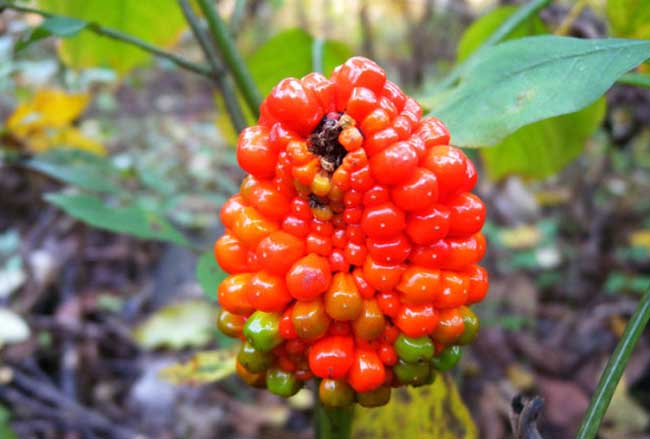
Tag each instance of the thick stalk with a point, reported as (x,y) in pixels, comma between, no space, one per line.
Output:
(333,423)
(218,72)
(231,56)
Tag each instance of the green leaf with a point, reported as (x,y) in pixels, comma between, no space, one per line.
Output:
(637,79)
(5,429)
(57,26)
(482,28)
(78,168)
(434,411)
(289,53)
(157,22)
(121,219)
(178,326)
(203,368)
(519,82)
(629,18)
(543,148)
(209,274)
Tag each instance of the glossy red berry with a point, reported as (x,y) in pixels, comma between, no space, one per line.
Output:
(353,244)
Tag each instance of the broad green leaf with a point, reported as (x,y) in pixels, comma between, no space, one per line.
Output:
(203,368)
(435,411)
(121,219)
(519,82)
(629,18)
(178,326)
(289,53)
(482,28)
(209,274)
(78,168)
(56,25)
(543,148)
(157,22)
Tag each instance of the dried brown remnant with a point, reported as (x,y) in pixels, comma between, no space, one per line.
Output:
(324,141)
(316,201)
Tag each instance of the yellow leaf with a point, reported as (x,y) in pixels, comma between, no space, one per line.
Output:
(522,236)
(45,122)
(204,367)
(73,138)
(47,109)
(434,411)
(640,238)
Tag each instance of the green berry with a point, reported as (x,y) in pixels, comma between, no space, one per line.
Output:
(262,330)
(282,383)
(447,359)
(335,393)
(230,324)
(254,360)
(375,398)
(413,350)
(412,373)
(472,325)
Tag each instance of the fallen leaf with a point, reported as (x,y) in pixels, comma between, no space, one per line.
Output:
(434,411)
(640,238)
(624,417)
(519,237)
(45,122)
(203,367)
(181,325)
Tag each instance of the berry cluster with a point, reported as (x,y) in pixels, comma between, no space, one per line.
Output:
(353,244)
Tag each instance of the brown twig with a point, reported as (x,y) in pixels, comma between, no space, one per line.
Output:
(43,400)
(523,417)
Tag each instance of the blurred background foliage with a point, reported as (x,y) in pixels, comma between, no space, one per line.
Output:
(114,165)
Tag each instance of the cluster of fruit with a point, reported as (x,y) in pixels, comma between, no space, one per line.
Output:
(353,244)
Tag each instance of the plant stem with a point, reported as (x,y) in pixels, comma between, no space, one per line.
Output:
(521,15)
(614,370)
(237,17)
(231,56)
(317,54)
(219,74)
(333,423)
(565,27)
(119,36)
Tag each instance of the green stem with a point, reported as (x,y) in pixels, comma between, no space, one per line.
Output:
(317,54)
(637,79)
(614,370)
(333,423)
(119,36)
(565,27)
(237,17)
(219,74)
(231,56)
(521,15)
